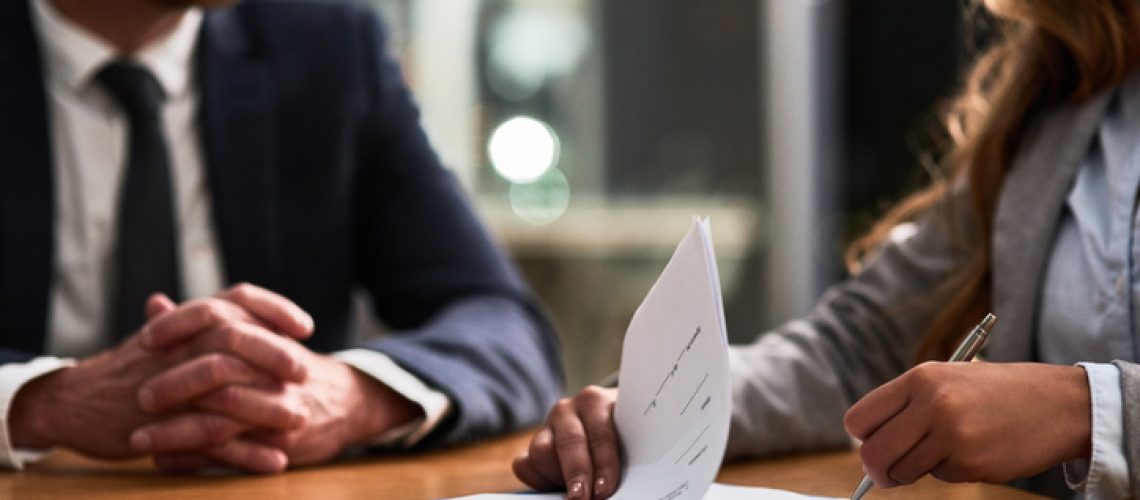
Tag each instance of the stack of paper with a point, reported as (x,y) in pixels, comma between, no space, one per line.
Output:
(673,411)
(674,408)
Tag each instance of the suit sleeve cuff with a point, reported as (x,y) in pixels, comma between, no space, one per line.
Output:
(1105,474)
(13,376)
(435,404)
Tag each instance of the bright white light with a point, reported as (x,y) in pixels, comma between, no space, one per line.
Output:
(902,232)
(522,149)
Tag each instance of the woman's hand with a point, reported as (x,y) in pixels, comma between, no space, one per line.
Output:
(973,422)
(577,449)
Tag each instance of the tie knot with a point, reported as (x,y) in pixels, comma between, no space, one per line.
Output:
(134,87)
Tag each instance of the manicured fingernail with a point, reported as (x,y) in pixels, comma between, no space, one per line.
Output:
(146,399)
(600,487)
(577,490)
(141,441)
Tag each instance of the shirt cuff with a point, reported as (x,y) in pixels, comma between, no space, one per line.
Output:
(435,404)
(1105,474)
(13,376)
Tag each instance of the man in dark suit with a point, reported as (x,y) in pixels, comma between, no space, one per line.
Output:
(155,152)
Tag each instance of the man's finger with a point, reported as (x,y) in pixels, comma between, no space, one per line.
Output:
(157,304)
(279,312)
(256,407)
(190,319)
(199,376)
(184,463)
(250,456)
(282,440)
(271,353)
(185,432)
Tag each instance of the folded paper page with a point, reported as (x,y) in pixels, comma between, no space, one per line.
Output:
(673,409)
(715,492)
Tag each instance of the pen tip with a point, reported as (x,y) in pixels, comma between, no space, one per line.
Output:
(989,321)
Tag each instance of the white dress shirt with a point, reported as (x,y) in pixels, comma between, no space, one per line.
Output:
(1090,300)
(89,135)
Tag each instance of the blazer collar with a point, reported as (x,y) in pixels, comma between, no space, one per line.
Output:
(1029,207)
(237,120)
(27,200)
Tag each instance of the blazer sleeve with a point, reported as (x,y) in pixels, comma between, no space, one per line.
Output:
(1130,393)
(462,319)
(792,386)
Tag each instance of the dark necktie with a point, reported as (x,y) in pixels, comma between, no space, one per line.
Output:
(147,241)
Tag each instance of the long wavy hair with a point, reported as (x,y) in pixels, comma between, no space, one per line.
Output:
(1046,53)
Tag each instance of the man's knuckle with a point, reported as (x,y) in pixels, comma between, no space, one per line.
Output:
(215,368)
(242,290)
(213,359)
(211,311)
(211,429)
(235,339)
(227,398)
(295,417)
(280,416)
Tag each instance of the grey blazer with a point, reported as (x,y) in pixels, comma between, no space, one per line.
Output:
(793,385)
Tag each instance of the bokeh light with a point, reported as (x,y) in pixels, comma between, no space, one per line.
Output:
(522,149)
(543,201)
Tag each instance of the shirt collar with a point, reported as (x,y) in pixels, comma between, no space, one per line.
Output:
(73,55)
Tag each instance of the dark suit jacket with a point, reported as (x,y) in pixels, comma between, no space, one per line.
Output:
(322,183)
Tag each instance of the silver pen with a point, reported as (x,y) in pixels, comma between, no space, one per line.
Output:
(965,352)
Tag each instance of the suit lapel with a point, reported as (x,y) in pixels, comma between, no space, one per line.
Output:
(26,187)
(1029,207)
(237,121)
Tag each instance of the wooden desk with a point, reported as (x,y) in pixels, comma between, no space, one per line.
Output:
(475,469)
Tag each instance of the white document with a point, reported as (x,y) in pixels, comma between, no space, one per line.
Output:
(674,407)
(716,492)
(673,410)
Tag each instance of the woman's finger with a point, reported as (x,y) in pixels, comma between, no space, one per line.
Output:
(572,447)
(525,471)
(596,410)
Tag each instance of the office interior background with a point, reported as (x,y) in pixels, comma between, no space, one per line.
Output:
(588,133)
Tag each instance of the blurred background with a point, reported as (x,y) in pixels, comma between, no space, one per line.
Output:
(590,132)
